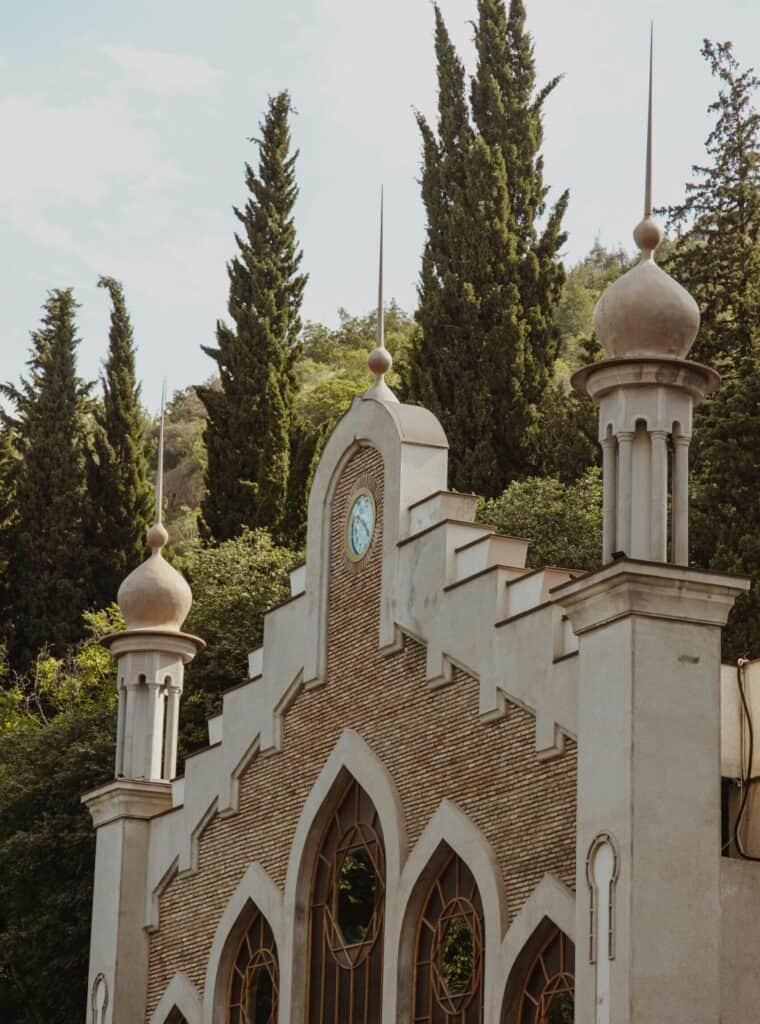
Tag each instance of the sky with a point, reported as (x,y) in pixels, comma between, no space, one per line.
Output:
(124,129)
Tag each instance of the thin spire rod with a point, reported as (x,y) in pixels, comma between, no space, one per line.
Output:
(160,471)
(380,331)
(648,183)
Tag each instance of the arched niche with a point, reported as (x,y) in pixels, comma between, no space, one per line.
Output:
(346,913)
(541,984)
(449,832)
(351,759)
(180,1003)
(254,911)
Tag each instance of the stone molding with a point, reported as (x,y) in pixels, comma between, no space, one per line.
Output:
(126,798)
(149,641)
(257,888)
(651,589)
(181,995)
(598,379)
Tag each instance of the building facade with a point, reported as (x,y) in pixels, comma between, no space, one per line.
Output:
(453,790)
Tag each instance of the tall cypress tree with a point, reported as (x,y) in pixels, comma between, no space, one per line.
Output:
(47,560)
(119,491)
(249,420)
(507,111)
(716,254)
(489,279)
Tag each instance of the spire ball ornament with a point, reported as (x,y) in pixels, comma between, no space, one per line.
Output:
(380,360)
(645,313)
(155,595)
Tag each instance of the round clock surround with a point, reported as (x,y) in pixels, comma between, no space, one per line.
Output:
(360,524)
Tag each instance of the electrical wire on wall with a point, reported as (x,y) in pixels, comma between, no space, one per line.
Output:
(747,779)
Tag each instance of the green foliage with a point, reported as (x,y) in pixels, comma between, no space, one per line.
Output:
(57,729)
(725,524)
(490,278)
(249,419)
(574,313)
(47,562)
(716,255)
(120,496)
(234,584)
(332,368)
(562,521)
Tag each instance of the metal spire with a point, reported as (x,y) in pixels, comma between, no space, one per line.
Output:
(648,233)
(380,329)
(157,535)
(380,359)
(160,468)
(648,180)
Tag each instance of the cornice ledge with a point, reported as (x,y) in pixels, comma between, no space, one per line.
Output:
(127,798)
(650,589)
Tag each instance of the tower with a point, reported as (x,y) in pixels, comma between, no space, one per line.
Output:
(151,654)
(646,391)
(648,878)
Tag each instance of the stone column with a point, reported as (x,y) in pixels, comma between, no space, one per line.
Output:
(681,499)
(624,490)
(131,713)
(648,925)
(154,726)
(609,473)
(172,728)
(659,470)
(121,709)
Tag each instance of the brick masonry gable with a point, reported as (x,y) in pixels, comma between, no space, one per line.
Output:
(431,741)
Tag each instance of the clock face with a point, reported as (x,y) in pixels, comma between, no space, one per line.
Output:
(361,525)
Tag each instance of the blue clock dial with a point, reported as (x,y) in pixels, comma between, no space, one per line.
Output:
(361,524)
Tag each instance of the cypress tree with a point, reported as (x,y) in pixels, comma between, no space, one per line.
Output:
(119,492)
(47,560)
(489,280)
(716,254)
(249,420)
(507,112)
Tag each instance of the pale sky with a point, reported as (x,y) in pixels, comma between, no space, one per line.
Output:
(123,131)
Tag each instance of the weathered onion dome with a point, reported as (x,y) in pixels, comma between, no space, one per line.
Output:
(645,313)
(155,595)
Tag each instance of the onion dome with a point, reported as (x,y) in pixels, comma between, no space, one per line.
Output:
(155,595)
(646,313)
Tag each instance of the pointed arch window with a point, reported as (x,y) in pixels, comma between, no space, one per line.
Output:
(175,1017)
(255,980)
(448,971)
(548,994)
(346,916)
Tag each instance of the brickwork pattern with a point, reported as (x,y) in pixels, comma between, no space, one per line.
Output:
(431,741)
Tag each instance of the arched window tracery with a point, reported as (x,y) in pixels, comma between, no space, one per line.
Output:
(347,915)
(548,992)
(449,951)
(255,979)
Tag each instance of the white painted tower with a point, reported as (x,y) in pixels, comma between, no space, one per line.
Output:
(151,654)
(648,869)
(646,392)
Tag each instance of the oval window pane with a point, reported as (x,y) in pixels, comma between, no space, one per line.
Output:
(260,997)
(356,895)
(457,950)
(561,1010)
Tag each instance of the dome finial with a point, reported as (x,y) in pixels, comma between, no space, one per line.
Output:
(648,234)
(645,313)
(380,360)
(157,535)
